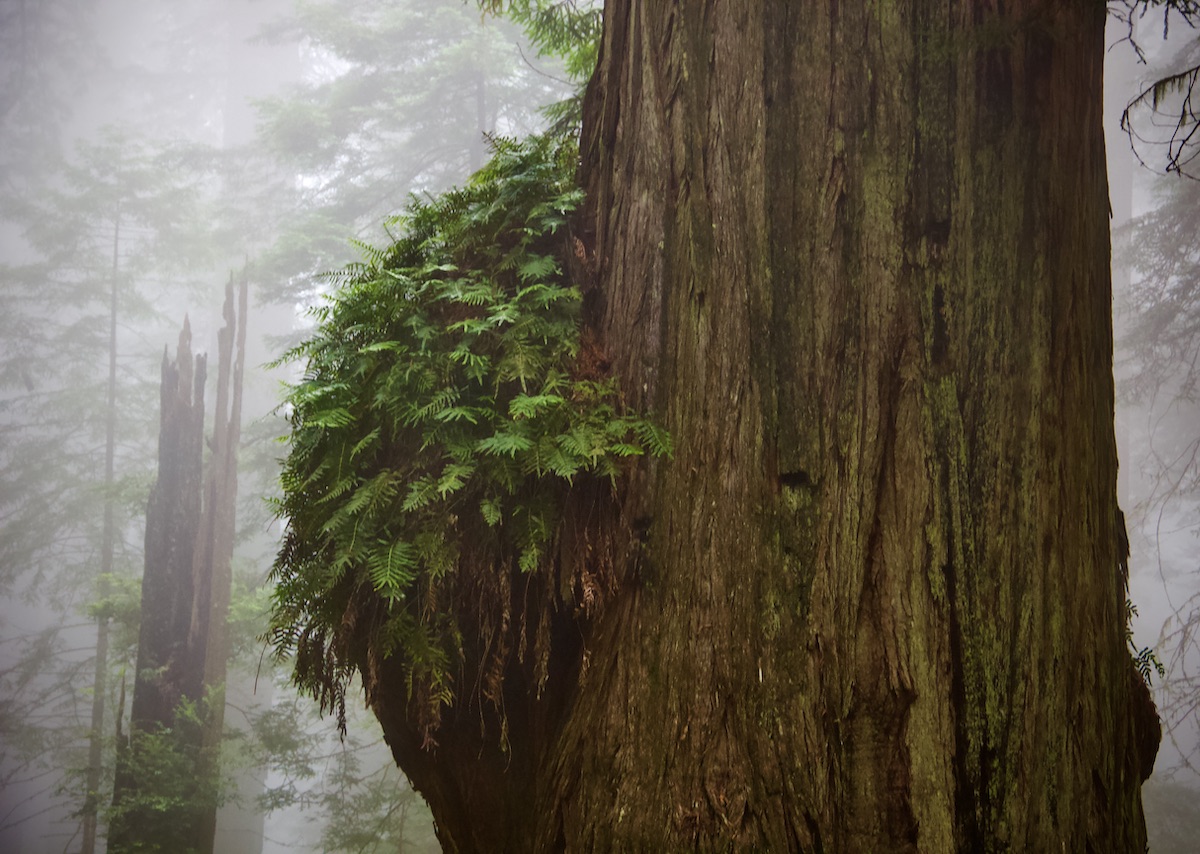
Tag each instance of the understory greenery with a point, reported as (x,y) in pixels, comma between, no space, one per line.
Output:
(445,409)
(172,795)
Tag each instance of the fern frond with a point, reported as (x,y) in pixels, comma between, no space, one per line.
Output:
(439,378)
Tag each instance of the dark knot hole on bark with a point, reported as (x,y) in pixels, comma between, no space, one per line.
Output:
(795,480)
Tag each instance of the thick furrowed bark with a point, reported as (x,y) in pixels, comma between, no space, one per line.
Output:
(856,257)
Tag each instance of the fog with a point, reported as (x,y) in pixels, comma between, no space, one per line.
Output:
(149,153)
(1157,418)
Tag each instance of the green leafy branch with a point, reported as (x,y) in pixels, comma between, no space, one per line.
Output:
(1145,659)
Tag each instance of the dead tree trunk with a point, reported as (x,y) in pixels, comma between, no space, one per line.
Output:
(172,520)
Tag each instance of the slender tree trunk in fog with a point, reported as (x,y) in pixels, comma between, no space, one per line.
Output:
(255,70)
(100,674)
(479,146)
(856,257)
(95,738)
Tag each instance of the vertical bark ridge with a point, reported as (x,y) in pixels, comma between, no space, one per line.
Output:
(908,325)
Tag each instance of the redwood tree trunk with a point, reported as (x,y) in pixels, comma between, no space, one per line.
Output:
(856,257)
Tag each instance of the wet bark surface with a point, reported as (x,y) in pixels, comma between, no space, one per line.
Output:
(855,257)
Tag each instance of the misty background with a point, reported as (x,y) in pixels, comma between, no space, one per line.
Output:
(151,151)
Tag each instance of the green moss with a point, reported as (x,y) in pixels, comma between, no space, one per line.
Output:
(772,619)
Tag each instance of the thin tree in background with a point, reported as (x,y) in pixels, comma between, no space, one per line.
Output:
(100,674)
(399,96)
(1158,316)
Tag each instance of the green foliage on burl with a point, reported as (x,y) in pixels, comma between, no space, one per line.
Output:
(443,414)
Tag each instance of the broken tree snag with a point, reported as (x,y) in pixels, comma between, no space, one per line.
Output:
(172,519)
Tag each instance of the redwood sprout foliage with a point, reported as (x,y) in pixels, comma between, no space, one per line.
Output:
(442,415)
